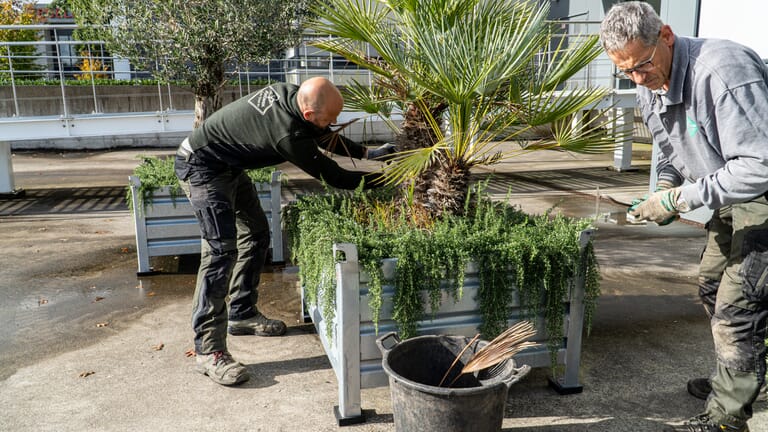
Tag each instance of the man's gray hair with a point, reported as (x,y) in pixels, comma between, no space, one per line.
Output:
(625,22)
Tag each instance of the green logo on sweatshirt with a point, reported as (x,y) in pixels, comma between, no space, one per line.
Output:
(692,127)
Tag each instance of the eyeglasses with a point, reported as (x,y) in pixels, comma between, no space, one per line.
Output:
(642,67)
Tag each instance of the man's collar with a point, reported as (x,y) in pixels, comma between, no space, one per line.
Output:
(680,59)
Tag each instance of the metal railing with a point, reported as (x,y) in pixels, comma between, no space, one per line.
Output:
(73,66)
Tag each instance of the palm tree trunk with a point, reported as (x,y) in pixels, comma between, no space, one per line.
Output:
(442,189)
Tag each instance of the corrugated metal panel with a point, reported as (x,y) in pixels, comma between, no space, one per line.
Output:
(356,359)
(167,225)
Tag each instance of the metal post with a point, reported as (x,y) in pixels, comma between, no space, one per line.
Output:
(7,188)
(275,218)
(140,227)
(61,77)
(170,96)
(93,81)
(624,123)
(13,81)
(159,89)
(569,384)
(239,81)
(348,335)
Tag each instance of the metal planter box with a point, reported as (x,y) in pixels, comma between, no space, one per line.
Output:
(356,360)
(167,225)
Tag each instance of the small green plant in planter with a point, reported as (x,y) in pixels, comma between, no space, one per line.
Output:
(155,172)
(535,257)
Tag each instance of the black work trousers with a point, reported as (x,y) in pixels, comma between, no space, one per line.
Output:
(235,241)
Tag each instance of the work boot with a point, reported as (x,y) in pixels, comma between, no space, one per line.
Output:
(704,423)
(258,325)
(701,387)
(222,368)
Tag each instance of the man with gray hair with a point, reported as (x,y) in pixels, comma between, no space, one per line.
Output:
(705,102)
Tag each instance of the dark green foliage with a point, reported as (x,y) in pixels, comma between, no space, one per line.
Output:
(530,259)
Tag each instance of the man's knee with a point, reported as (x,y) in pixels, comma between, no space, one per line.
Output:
(738,342)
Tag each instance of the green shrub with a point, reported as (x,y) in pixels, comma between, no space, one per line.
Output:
(157,172)
(537,257)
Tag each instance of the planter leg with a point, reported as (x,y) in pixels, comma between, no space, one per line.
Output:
(347,421)
(348,335)
(569,383)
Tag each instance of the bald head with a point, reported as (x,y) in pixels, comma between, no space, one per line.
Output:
(320,101)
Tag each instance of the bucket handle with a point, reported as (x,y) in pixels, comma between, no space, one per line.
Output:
(519,373)
(384,348)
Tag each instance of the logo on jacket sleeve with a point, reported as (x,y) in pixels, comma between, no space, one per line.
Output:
(263,99)
(691,126)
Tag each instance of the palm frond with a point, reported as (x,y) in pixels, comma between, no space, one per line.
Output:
(503,347)
(406,164)
(543,107)
(470,74)
(567,60)
(369,99)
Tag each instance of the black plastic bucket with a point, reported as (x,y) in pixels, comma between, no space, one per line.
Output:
(475,402)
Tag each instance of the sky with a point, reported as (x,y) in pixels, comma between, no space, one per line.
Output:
(742,21)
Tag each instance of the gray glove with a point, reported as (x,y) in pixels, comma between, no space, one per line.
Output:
(383,152)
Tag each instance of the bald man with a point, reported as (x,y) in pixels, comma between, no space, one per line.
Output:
(279,123)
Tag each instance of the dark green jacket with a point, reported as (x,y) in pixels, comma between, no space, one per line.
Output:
(266,128)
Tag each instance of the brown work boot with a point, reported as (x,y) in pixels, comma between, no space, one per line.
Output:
(258,325)
(222,368)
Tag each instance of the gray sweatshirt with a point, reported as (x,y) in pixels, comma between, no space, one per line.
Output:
(712,124)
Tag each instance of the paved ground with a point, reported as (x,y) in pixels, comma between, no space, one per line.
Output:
(85,345)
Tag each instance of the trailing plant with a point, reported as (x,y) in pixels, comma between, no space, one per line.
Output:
(155,172)
(522,257)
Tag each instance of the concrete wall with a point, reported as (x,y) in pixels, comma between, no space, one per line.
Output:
(139,140)
(41,110)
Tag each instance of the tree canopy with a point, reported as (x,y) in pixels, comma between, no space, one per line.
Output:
(196,41)
(18,12)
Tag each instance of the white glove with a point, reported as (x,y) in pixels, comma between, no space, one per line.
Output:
(661,207)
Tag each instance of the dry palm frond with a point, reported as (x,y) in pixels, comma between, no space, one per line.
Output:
(457,359)
(503,347)
(331,139)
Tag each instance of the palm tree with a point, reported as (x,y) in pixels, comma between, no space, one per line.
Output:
(467,76)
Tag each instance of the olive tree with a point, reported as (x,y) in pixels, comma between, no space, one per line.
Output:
(194,41)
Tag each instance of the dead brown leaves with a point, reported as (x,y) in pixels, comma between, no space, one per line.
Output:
(503,347)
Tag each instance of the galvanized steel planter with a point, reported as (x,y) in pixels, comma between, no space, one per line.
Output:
(356,360)
(167,225)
